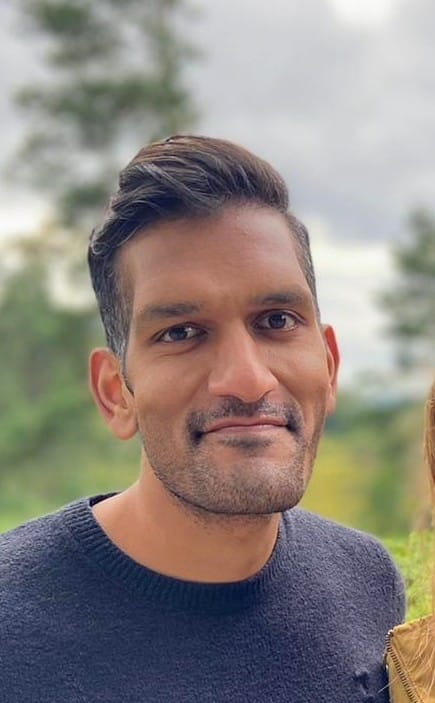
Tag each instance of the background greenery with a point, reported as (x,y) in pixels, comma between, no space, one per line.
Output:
(98,100)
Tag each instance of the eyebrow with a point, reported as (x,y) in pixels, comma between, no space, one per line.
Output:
(169,310)
(296,296)
(166,311)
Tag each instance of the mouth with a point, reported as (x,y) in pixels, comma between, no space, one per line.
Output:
(246,426)
(238,422)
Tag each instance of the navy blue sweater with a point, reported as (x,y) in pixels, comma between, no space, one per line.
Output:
(81,621)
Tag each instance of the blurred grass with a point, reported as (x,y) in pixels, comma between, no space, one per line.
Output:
(338,484)
(414,556)
(63,474)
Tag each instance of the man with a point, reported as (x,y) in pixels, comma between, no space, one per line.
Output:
(202,581)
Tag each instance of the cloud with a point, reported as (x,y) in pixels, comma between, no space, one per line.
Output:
(369,12)
(350,277)
(20,215)
(346,112)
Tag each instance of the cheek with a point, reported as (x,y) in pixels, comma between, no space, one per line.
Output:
(307,371)
(163,396)
(307,380)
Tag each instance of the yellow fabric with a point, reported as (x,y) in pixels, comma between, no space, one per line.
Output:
(410,661)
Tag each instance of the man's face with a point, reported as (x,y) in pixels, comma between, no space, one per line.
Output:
(230,372)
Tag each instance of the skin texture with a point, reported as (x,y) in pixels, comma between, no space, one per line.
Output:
(228,379)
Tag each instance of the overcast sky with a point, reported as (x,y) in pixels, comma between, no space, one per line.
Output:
(340,96)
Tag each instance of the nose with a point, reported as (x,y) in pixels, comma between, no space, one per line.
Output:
(239,369)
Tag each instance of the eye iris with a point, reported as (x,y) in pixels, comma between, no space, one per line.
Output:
(277,321)
(177,334)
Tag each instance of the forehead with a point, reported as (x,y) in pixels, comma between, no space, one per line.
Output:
(242,250)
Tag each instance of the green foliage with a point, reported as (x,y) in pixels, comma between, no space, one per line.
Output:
(338,487)
(75,27)
(114,81)
(414,556)
(87,461)
(387,440)
(53,445)
(369,471)
(43,370)
(410,304)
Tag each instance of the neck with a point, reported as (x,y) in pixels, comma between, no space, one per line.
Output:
(165,535)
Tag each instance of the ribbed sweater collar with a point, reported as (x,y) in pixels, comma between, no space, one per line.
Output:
(166,591)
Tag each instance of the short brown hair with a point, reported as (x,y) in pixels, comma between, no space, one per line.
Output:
(178,177)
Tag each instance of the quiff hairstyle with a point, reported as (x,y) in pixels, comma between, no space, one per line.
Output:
(182,176)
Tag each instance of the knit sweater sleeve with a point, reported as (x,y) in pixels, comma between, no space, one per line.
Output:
(394,589)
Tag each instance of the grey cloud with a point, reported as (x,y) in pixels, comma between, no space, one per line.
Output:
(346,113)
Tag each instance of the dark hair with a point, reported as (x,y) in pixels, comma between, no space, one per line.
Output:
(178,177)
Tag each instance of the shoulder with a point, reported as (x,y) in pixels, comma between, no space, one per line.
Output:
(352,554)
(26,539)
(309,526)
(34,550)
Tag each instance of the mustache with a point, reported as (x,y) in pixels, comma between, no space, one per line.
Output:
(198,421)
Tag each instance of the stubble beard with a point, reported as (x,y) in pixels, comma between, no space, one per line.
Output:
(249,485)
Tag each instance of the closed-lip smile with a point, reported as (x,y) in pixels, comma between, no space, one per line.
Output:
(241,424)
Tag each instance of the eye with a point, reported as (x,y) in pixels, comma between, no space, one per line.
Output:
(277,321)
(180,333)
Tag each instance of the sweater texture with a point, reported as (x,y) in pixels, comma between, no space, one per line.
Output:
(82,622)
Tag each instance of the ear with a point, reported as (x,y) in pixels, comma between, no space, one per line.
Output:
(111,395)
(333,361)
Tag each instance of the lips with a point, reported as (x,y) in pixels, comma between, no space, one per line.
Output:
(246,424)
(235,417)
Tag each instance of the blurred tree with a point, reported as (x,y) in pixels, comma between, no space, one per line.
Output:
(367,463)
(43,370)
(114,81)
(410,304)
(53,447)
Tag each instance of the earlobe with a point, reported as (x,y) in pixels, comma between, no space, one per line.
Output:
(333,360)
(111,395)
